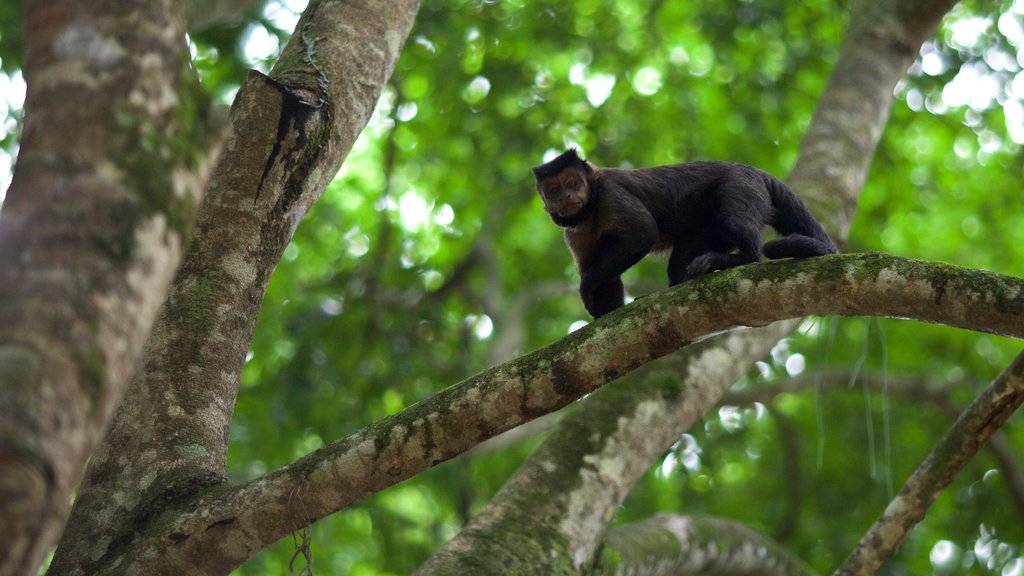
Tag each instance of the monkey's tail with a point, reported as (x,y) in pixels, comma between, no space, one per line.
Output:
(802,235)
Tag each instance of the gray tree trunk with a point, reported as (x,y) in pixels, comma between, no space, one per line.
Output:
(114,155)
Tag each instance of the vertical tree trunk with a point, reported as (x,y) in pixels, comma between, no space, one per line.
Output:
(289,134)
(113,158)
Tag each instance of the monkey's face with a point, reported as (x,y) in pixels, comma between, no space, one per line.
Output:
(565,194)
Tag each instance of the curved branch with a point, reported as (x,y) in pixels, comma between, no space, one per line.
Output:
(505,396)
(694,546)
(590,461)
(979,421)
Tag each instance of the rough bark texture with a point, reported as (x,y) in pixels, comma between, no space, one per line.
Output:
(672,545)
(979,421)
(881,42)
(113,158)
(562,499)
(234,522)
(289,134)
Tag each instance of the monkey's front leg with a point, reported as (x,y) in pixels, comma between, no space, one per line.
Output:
(600,299)
(600,282)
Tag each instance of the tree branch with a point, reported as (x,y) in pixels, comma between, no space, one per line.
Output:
(881,42)
(979,421)
(505,396)
(590,462)
(789,441)
(203,13)
(674,545)
(913,388)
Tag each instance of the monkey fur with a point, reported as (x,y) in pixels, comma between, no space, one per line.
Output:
(709,214)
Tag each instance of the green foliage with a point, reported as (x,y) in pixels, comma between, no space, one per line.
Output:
(12,36)
(431,248)
(432,231)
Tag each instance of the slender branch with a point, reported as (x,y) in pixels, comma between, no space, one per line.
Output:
(789,441)
(203,13)
(381,251)
(918,389)
(1006,454)
(912,386)
(669,544)
(979,421)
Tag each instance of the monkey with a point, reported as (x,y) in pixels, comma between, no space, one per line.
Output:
(709,214)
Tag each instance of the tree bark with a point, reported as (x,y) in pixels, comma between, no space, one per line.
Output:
(289,135)
(881,42)
(549,518)
(231,523)
(673,545)
(114,156)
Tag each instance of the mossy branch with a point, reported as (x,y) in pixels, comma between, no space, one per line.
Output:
(505,396)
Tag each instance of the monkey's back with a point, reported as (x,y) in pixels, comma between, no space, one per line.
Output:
(693,198)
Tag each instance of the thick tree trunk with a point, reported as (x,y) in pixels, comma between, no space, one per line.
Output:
(289,134)
(113,158)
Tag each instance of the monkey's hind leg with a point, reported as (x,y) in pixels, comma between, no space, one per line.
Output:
(747,240)
(797,246)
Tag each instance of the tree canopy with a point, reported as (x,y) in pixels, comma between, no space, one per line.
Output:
(429,259)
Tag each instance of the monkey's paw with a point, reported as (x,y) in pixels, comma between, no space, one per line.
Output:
(700,265)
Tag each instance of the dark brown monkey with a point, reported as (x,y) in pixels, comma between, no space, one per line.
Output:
(709,214)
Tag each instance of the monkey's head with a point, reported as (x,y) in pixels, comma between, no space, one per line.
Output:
(562,184)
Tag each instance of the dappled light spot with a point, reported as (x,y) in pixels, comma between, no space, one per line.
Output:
(476,90)
(259,45)
(647,81)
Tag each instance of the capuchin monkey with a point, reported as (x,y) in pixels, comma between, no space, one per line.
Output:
(709,214)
